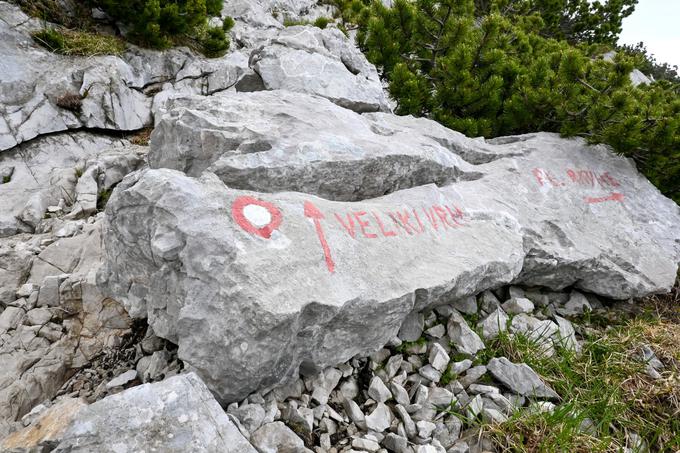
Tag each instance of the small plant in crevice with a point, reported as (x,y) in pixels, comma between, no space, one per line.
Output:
(103,198)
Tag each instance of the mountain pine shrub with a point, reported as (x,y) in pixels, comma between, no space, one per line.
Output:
(162,23)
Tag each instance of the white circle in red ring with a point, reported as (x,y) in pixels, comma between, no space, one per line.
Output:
(238,213)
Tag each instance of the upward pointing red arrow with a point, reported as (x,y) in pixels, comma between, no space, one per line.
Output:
(313,212)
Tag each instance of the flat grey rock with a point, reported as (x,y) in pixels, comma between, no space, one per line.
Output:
(284,141)
(176,415)
(520,378)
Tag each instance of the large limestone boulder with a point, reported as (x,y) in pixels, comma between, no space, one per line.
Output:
(272,283)
(310,60)
(279,140)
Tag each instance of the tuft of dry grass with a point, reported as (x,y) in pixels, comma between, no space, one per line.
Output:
(142,137)
(81,43)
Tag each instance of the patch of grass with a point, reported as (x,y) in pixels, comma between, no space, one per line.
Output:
(448,376)
(606,384)
(82,43)
(321,22)
(404,347)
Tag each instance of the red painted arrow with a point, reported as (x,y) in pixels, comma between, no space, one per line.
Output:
(615,196)
(313,212)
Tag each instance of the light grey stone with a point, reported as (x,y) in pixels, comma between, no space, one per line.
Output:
(494,324)
(518,305)
(409,424)
(488,302)
(334,330)
(430,373)
(393,365)
(467,305)
(122,379)
(45,173)
(539,331)
(251,416)
(520,378)
(463,337)
(396,443)
(460,367)
(412,327)
(38,316)
(175,415)
(378,390)
(473,375)
(324,62)
(354,412)
(576,305)
(482,389)
(400,394)
(474,407)
(379,419)
(566,336)
(437,331)
(553,235)
(438,357)
(324,383)
(365,444)
(275,437)
(494,416)
(10,318)
(425,429)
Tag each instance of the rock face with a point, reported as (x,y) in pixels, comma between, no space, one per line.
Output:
(277,282)
(176,415)
(41,92)
(274,141)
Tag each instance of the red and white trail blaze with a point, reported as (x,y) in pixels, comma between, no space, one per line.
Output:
(397,224)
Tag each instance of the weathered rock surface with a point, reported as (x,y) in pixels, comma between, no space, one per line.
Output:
(279,140)
(176,415)
(323,62)
(324,310)
(45,173)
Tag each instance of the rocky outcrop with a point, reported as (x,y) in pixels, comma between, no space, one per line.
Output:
(56,321)
(60,174)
